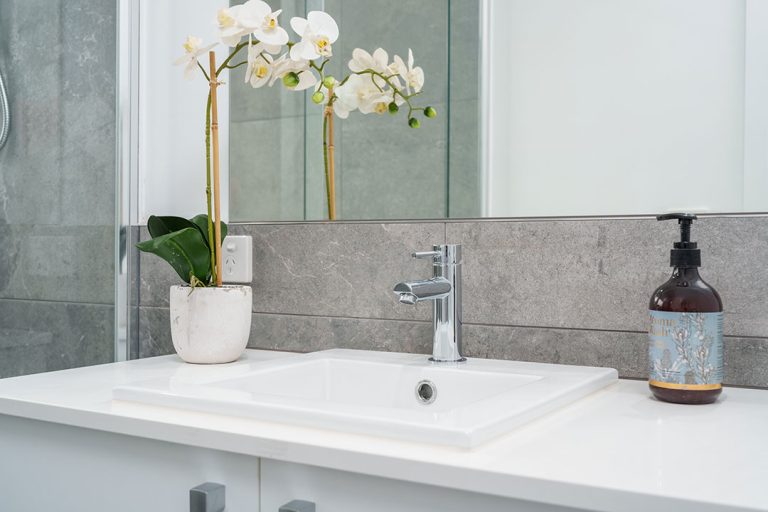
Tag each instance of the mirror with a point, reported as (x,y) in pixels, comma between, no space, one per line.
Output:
(545,108)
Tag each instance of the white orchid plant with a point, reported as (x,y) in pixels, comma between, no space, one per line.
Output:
(374,85)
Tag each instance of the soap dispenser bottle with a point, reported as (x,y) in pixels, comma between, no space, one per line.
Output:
(686,328)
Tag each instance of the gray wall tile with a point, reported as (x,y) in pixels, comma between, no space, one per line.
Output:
(155,332)
(309,333)
(72,264)
(746,362)
(579,274)
(338,269)
(298,333)
(627,352)
(746,359)
(58,165)
(600,274)
(56,336)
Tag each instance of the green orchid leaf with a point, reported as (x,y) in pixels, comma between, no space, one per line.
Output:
(185,250)
(159,226)
(201,221)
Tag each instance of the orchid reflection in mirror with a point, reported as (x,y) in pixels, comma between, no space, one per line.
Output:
(375,84)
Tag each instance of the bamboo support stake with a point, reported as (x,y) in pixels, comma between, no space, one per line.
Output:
(216,180)
(331,163)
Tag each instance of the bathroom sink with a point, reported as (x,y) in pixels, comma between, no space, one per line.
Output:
(379,393)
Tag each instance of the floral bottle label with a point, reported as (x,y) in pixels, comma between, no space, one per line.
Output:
(686,350)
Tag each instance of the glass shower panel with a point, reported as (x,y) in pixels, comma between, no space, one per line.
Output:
(57,185)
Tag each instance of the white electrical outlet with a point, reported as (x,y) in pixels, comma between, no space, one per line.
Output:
(237,259)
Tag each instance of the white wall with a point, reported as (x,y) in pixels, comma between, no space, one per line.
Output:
(172,111)
(618,107)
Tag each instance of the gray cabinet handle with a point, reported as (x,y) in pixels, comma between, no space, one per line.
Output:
(298,506)
(207,497)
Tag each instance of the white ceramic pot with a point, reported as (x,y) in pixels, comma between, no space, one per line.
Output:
(210,325)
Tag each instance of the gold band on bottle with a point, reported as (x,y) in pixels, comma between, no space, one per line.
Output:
(685,387)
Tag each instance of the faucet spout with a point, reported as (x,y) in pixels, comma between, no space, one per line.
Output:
(411,292)
(444,291)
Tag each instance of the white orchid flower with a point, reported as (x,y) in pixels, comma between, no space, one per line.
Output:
(257,17)
(413,76)
(318,33)
(359,92)
(259,69)
(346,100)
(192,50)
(253,17)
(362,60)
(285,65)
(230,29)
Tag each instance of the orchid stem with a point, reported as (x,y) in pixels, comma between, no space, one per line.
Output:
(208,184)
(325,165)
(205,74)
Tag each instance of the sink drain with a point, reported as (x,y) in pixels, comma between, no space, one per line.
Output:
(426,391)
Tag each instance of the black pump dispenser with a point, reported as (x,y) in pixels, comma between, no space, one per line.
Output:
(685,253)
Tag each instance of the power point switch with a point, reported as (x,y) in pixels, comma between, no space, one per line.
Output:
(237,259)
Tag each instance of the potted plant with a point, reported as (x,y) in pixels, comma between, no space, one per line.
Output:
(210,322)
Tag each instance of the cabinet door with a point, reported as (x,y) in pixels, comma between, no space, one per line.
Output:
(49,467)
(339,491)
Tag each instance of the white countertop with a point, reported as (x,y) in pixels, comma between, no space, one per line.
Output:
(617,449)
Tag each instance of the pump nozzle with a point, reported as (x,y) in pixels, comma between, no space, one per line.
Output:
(685,252)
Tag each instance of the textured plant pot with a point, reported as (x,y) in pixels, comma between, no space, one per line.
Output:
(210,325)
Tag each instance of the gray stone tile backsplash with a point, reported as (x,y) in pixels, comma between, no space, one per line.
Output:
(599,274)
(557,291)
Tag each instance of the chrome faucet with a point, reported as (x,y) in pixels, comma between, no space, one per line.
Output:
(444,290)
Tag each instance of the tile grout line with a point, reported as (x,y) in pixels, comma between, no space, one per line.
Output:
(62,302)
(477,324)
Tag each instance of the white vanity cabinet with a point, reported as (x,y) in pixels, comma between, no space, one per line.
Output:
(340,491)
(47,467)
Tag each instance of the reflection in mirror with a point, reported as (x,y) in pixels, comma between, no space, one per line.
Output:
(384,169)
(587,107)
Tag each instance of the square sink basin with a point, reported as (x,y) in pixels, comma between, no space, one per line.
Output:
(403,396)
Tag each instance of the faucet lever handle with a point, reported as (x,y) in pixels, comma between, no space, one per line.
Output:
(422,255)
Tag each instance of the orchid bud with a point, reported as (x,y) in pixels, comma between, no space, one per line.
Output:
(291,80)
(318,97)
(329,82)
(393,108)
(430,112)
(414,123)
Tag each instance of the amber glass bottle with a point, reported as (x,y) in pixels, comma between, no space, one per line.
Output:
(686,328)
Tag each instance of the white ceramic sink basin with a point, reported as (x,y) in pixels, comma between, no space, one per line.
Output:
(380,393)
